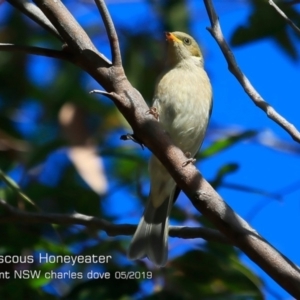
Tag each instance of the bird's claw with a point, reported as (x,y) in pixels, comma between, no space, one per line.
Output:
(190,160)
(154,112)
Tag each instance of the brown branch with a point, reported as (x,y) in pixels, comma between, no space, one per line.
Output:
(64,55)
(14,215)
(285,17)
(34,13)
(72,33)
(233,67)
(198,232)
(111,32)
(147,129)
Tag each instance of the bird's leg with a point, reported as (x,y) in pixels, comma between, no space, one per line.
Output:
(189,159)
(154,112)
(132,137)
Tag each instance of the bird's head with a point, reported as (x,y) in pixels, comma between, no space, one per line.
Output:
(182,46)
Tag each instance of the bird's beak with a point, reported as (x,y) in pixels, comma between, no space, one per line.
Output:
(172,38)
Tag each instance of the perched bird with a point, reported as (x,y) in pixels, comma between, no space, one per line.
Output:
(183,102)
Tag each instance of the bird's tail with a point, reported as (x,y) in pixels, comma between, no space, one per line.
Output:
(151,236)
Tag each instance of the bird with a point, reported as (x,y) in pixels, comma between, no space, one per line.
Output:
(182,103)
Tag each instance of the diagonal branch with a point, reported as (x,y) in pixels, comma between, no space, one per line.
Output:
(34,13)
(78,42)
(216,32)
(64,55)
(111,32)
(285,17)
(13,214)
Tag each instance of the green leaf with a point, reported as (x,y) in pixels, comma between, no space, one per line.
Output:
(225,143)
(224,171)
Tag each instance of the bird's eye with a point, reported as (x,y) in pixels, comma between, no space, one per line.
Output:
(187,41)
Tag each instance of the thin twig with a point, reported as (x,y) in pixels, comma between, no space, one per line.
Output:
(111,95)
(248,189)
(216,32)
(37,51)
(83,48)
(34,13)
(16,188)
(285,17)
(13,214)
(111,33)
(261,204)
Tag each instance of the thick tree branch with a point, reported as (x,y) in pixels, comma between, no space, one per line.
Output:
(148,130)
(111,32)
(216,32)
(285,17)
(72,33)
(14,215)
(64,55)
(34,13)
